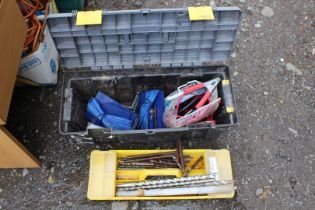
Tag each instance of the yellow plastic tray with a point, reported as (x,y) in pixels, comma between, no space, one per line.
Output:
(104,176)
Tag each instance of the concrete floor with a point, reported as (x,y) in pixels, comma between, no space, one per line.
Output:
(272,148)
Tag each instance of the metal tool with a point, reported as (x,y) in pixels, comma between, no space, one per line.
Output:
(194,183)
(190,190)
(192,180)
(157,160)
(180,158)
(208,102)
(133,157)
(149,158)
(165,163)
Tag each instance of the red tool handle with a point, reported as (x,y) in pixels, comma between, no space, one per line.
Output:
(203,100)
(188,91)
(193,88)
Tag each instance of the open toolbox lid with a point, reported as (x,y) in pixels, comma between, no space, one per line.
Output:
(147,37)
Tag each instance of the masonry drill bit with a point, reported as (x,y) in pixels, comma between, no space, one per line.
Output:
(166,182)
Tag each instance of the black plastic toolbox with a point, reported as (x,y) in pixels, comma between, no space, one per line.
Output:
(140,50)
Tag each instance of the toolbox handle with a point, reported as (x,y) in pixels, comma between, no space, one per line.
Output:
(190,90)
(203,100)
(193,88)
(187,84)
(150,132)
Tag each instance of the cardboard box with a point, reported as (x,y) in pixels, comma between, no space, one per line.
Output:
(12,36)
(40,67)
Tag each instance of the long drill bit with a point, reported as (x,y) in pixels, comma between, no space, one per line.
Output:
(169,182)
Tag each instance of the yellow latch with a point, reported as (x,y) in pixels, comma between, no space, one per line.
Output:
(225,82)
(230,109)
(89,17)
(200,13)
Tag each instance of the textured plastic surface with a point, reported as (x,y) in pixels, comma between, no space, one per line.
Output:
(164,37)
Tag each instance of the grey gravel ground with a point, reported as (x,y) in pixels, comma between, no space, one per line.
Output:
(273,150)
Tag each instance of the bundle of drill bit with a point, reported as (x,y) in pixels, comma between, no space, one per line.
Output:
(172,159)
(153,160)
(202,184)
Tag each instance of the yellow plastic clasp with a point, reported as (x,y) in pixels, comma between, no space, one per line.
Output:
(89,17)
(230,109)
(200,13)
(225,82)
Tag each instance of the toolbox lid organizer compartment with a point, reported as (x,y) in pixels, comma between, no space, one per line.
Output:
(151,46)
(164,37)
